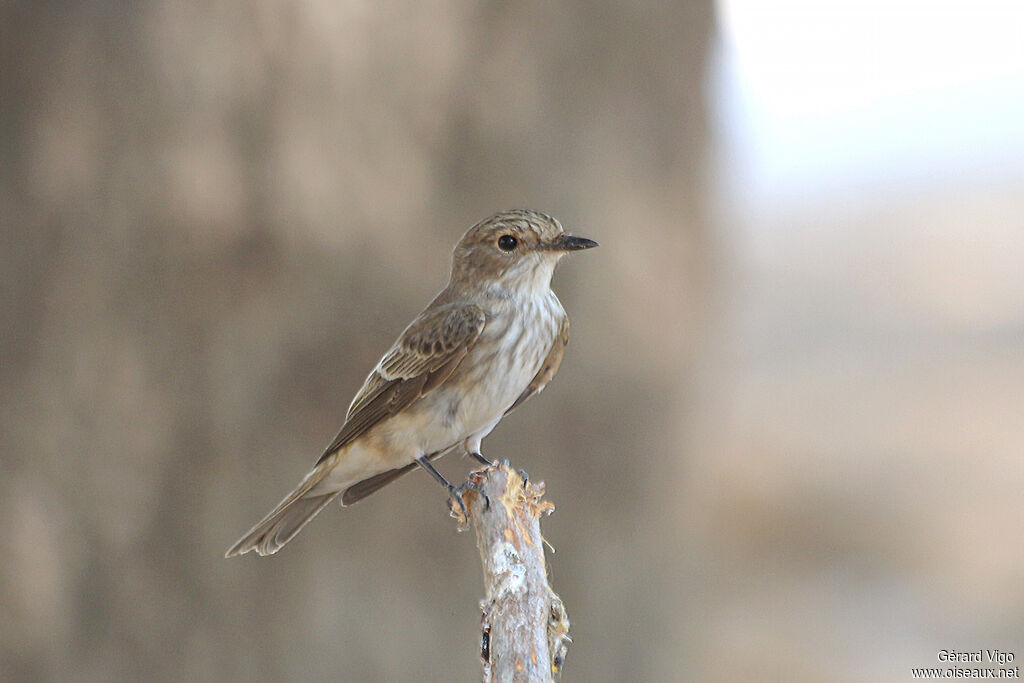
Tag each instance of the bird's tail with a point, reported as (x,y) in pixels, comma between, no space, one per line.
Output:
(286,520)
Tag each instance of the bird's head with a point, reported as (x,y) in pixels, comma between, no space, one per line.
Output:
(513,252)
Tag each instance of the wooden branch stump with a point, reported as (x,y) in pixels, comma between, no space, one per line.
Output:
(525,629)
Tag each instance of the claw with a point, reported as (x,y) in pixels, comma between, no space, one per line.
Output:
(470,485)
(455,494)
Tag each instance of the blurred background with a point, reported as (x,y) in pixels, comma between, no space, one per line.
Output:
(786,441)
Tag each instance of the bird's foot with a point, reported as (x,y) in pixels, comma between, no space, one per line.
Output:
(455,498)
(525,476)
(455,494)
(470,485)
(522,473)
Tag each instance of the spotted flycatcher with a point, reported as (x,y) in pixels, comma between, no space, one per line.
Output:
(491,339)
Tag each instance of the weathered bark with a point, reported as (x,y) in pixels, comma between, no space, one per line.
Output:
(525,626)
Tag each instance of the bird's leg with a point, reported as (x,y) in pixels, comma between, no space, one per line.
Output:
(454,492)
(480,458)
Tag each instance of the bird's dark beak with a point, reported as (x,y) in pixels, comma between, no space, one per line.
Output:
(571,243)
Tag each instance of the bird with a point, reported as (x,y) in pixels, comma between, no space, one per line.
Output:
(490,340)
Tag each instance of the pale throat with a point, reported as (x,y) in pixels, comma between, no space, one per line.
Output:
(528,278)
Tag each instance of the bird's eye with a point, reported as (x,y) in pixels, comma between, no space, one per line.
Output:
(507,243)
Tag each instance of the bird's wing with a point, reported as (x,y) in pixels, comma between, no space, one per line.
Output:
(548,368)
(425,355)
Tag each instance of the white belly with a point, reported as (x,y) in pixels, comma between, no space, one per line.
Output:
(502,365)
